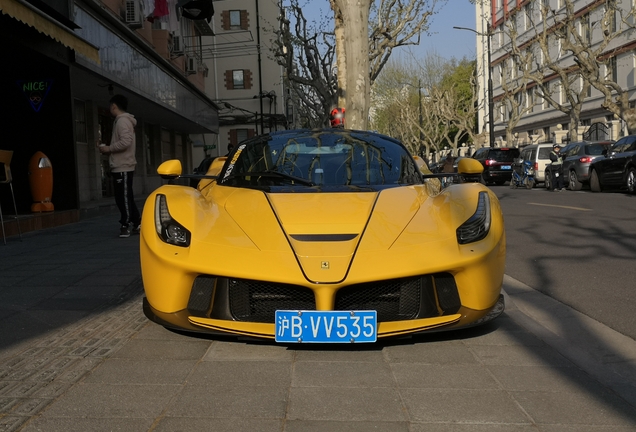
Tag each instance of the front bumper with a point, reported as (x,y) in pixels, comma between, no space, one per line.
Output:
(184,321)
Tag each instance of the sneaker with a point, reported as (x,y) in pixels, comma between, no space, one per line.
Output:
(136,229)
(124,231)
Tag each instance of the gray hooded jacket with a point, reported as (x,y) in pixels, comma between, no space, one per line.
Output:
(123,144)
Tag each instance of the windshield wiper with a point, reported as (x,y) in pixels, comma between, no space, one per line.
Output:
(275,174)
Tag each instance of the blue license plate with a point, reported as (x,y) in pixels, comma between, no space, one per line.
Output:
(506,167)
(326,326)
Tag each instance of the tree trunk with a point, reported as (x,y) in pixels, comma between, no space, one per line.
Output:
(341,64)
(573,129)
(354,44)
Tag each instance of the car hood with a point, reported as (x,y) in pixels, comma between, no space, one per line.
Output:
(327,230)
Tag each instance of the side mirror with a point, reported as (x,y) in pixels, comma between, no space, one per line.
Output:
(217,165)
(469,166)
(469,170)
(170,169)
(421,165)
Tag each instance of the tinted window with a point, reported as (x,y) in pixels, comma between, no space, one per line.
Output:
(480,153)
(619,145)
(325,158)
(572,150)
(595,149)
(501,155)
(544,152)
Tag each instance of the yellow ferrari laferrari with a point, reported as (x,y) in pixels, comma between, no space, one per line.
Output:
(322,236)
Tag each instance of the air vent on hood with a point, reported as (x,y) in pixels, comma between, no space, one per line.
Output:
(323,237)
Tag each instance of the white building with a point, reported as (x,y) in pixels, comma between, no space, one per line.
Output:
(540,121)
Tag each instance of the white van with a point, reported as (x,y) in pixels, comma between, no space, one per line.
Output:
(539,155)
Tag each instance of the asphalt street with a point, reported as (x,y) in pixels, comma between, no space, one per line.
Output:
(77,354)
(577,247)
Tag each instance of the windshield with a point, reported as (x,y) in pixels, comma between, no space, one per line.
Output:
(322,160)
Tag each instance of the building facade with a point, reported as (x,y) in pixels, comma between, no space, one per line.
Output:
(64,61)
(510,25)
(244,80)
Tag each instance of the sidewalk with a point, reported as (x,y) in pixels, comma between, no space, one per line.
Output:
(77,354)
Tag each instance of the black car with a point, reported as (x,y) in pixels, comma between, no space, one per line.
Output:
(497,163)
(617,168)
(577,158)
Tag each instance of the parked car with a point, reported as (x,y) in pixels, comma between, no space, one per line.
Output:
(325,235)
(497,163)
(577,158)
(617,168)
(539,155)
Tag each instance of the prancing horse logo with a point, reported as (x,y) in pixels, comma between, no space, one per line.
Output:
(324,265)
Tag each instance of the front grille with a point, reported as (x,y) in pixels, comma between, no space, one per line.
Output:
(394,300)
(257,301)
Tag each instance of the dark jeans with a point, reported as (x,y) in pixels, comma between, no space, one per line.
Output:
(123,187)
(557,178)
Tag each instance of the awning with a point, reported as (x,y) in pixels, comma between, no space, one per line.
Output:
(48,26)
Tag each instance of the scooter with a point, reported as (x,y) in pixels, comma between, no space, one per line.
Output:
(522,174)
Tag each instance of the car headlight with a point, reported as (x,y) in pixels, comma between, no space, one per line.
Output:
(168,229)
(477,226)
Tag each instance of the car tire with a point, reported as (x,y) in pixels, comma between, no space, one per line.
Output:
(529,183)
(513,184)
(548,180)
(631,179)
(595,184)
(575,184)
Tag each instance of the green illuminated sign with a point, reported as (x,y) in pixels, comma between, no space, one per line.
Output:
(36,92)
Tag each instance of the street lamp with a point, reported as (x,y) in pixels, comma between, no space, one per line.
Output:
(491,122)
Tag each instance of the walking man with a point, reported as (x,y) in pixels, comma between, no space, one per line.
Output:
(122,162)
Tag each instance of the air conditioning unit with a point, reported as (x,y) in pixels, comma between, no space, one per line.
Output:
(177,45)
(191,65)
(132,13)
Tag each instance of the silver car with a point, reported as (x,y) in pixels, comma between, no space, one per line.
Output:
(577,160)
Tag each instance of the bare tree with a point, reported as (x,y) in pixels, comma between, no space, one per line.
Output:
(565,53)
(362,47)
(552,79)
(594,57)
(308,58)
(447,111)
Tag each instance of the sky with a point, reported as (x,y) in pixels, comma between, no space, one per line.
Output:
(447,41)
(444,40)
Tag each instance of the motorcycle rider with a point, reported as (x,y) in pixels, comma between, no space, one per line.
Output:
(557,168)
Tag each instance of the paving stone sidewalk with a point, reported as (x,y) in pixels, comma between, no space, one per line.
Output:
(77,354)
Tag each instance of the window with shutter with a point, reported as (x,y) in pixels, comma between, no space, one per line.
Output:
(238,79)
(235,20)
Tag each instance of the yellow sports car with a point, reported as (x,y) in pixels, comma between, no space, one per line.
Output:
(322,236)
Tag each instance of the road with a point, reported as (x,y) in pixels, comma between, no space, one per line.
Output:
(577,247)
